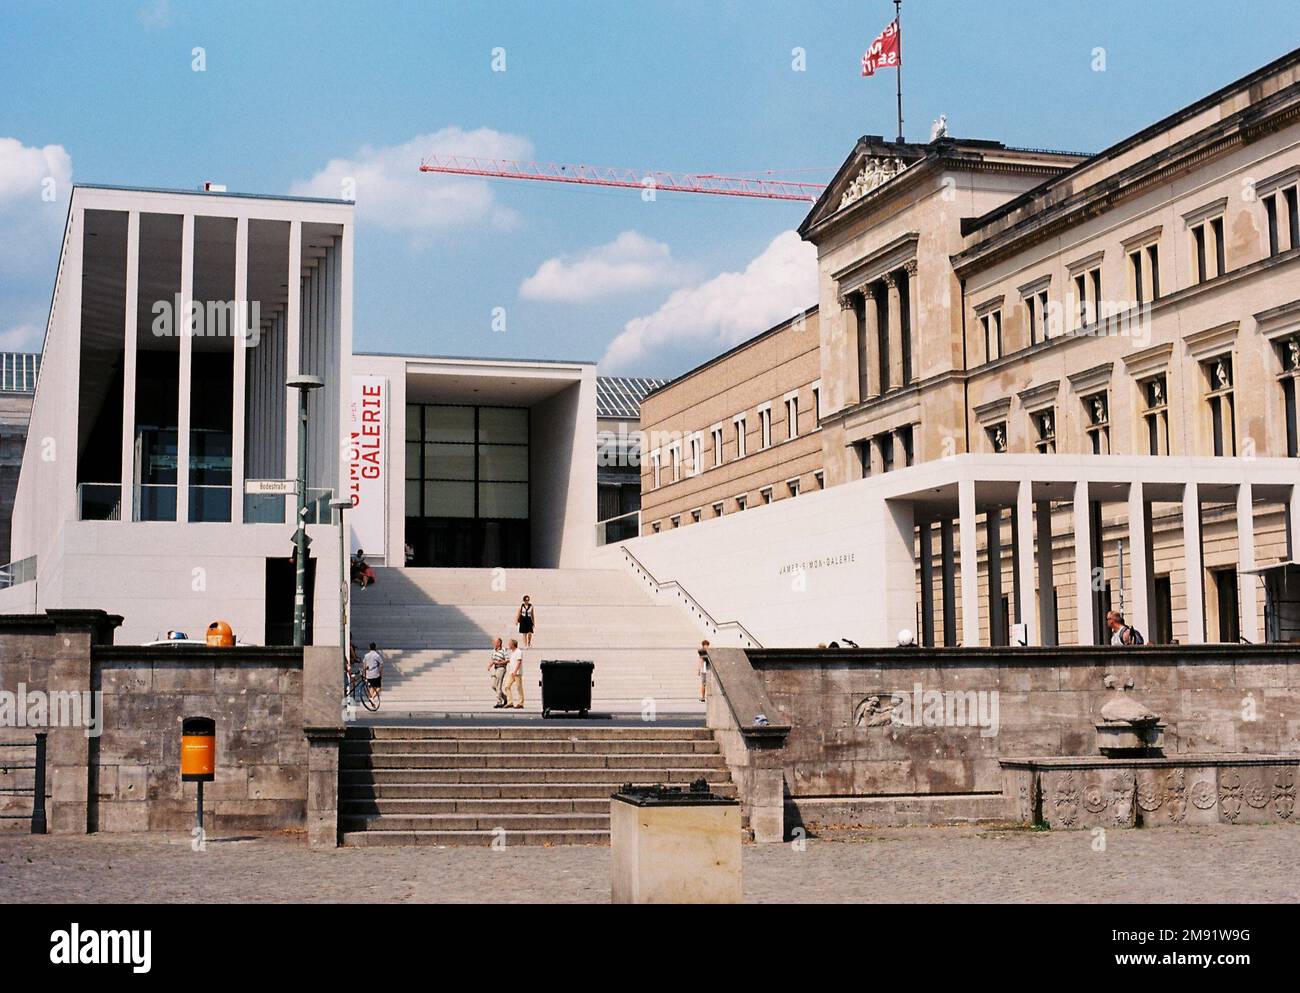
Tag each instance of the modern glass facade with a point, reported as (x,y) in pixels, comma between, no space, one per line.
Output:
(467,485)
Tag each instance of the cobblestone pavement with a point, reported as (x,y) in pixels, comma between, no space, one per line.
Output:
(1183,865)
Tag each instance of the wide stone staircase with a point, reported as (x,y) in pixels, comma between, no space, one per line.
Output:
(535,784)
(435,627)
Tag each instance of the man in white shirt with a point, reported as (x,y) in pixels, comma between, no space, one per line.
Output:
(372,667)
(497,667)
(515,676)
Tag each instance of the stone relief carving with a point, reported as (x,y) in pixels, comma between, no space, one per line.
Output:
(1230,794)
(1176,784)
(1203,795)
(1284,794)
(875,172)
(1123,793)
(1094,798)
(1151,794)
(873,714)
(1257,794)
(1066,801)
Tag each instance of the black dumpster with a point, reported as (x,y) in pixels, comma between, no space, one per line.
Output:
(566,685)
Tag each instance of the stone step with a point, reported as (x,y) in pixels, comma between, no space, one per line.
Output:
(495,791)
(668,775)
(529,746)
(387,807)
(413,732)
(455,760)
(482,839)
(475,822)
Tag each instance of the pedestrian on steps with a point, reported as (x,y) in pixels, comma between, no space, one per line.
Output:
(526,619)
(515,676)
(497,667)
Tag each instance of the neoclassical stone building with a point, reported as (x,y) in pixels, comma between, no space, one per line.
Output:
(1141,302)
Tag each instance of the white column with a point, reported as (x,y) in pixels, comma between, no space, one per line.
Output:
(1083,611)
(129,354)
(239,393)
(1139,531)
(1247,581)
(1025,560)
(948,583)
(185,327)
(852,338)
(293,346)
(870,353)
(895,331)
(395,416)
(1046,576)
(993,558)
(926,636)
(970,586)
(1194,579)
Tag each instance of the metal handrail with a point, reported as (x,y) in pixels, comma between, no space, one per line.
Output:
(37,789)
(695,604)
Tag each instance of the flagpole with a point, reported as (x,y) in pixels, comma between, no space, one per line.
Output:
(898,20)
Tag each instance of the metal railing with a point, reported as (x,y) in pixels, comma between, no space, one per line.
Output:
(37,790)
(692,604)
(621,528)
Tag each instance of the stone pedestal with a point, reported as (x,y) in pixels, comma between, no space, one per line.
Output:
(666,852)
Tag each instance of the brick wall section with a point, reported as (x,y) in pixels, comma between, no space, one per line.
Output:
(1049,700)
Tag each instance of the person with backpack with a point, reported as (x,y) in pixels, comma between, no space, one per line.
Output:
(1121,633)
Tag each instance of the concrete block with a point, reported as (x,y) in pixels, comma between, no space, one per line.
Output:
(687,854)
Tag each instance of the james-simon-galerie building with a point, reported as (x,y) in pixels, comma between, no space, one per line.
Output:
(1090,364)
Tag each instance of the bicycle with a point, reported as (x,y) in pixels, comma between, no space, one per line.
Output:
(358,691)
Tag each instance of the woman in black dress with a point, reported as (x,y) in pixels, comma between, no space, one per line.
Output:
(526,619)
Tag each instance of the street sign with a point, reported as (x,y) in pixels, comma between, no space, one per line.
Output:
(271,486)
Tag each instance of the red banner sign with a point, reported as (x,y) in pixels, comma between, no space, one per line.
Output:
(883,53)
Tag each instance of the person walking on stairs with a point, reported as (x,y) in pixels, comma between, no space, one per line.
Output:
(497,667)
(527,621)
(515,676)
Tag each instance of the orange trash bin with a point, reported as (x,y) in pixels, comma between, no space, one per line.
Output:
(198,750)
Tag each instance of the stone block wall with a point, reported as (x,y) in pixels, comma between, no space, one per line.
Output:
(127,776)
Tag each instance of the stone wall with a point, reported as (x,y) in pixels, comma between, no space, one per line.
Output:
(1215,700)
(126,777)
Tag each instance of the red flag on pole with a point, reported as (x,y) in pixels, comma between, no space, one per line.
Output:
(883,53)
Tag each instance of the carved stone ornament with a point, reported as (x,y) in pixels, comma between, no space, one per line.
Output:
(1284,794)
(1066,801)
(1176,786)
(1094,798)
(874,173)
(1230,794)
(1203,795)
(1151,794)
(873,714)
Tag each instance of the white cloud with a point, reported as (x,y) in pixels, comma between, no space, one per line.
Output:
(628,264)
(156,14)
(35,183)
(391,192)
(726,309)
(21,338)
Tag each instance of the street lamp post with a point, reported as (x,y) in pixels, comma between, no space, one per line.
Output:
(345,585)
(304,385)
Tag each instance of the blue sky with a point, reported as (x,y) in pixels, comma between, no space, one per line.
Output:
(294,97)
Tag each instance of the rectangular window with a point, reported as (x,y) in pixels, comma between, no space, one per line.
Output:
(1097,410)
(1032,320)
(1292,216)
(1153,267)
(1045,429)
(695,516)
(697,455)
(885,442)
(1081,291)
(817,404)
(792,417)
(675,520)
(905,442)
(820,477)
(717,509)
(766,494)
(1044,315)
(997,437)
(656,468)
(1220,252)
(764,427)
(740,436)
(1270,217)
(1135,266)
(675,454)
(716,432)
(1198,244)
(793,486)
(742,502)
(992,325)
(1222,407)
(1290,355)
(1155,414)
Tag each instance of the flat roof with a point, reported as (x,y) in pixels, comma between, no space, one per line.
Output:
(471,358)
(207,193)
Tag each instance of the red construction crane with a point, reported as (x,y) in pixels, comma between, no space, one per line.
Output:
(587,175)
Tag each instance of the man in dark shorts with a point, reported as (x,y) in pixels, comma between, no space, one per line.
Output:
(372,667)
